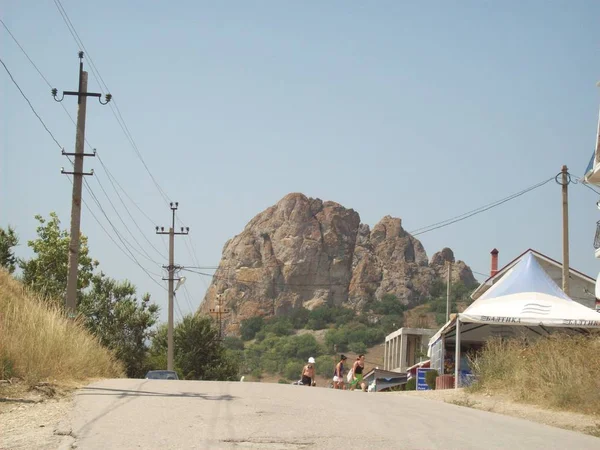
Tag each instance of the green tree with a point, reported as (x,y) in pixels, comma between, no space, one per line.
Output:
(249,327)
(46,272)
(8,240)
(198,353)
(122,322)
(388,305)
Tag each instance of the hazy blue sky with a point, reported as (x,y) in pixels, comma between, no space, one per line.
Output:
(419,110)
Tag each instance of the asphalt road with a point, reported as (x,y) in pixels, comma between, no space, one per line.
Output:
(156,414)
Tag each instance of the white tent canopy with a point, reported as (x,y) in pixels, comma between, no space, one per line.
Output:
(526,295)
(526,301)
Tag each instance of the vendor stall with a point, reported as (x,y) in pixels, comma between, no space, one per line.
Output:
(526,302)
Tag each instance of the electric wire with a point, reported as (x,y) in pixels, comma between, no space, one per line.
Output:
(109,174)
(29,103)
(142,253)
(104,88)
(85,181)
(479,210)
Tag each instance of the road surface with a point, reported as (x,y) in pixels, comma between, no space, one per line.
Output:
(157,414)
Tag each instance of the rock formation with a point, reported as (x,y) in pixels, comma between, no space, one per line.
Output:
(303,252)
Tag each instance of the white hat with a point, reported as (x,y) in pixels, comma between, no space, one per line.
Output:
(311,360)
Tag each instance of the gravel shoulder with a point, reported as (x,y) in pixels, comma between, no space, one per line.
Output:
(30,418)
(583,423)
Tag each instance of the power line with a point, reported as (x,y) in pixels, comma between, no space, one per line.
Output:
(479,210)
(59,146)
(25,53)
(116,111)
(30,105)
(187,296)
(110,176)
(142,253)
(285,285)
(110,179)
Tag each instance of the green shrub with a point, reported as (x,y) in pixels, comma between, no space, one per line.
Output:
(358,347)
(388,305)
(280,326)
(430,377)
(293,370)
(233,343)
(299,318)
(316,324)
(260,336)
(249,327)
(283,381)
(411,384)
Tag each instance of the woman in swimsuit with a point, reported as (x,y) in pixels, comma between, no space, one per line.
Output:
(357,370)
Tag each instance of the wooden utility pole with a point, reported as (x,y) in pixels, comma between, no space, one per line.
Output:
(565,180)
(218,312)
(78,174)
(171,268)
(448,291)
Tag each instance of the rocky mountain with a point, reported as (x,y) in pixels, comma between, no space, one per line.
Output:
(303,252)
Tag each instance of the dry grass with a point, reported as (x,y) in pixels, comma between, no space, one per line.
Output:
(559,372)
(38,342)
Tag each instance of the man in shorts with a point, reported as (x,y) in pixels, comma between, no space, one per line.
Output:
(308,373)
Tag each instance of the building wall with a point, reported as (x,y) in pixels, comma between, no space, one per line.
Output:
(577,286)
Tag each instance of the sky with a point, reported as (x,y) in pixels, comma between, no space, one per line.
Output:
(418,110)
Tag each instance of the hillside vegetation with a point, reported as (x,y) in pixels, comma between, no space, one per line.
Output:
(38,342)
(280,346)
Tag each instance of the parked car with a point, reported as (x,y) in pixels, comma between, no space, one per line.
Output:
(162,375)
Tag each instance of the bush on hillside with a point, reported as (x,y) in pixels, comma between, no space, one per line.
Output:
(279,326)
(358,347)
(387,306)
(293,370)
(249,327)
(233,343)
(299,318)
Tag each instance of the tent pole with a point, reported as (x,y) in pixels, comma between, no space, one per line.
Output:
(457,354)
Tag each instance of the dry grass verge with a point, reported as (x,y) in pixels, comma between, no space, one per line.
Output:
(38,342)
(560,372)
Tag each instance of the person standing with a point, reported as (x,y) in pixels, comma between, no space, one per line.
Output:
(308,373)
(357,371)
(338,374)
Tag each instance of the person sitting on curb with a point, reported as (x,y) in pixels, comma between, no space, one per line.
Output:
(338,374)
(357,371)
(308,373)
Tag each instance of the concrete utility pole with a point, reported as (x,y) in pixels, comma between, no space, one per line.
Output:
(565,216)
(218,312)
(448,291)
(78,173)
(171,268)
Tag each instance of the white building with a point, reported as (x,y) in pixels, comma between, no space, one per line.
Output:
(405,347)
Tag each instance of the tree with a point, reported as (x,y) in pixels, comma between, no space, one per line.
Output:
(198,353)
(8,240)
(46,272)
(121,322)
(249,327)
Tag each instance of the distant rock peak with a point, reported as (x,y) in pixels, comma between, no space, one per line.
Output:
(306,252)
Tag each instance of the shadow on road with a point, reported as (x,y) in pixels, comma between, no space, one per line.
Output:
(132,393)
